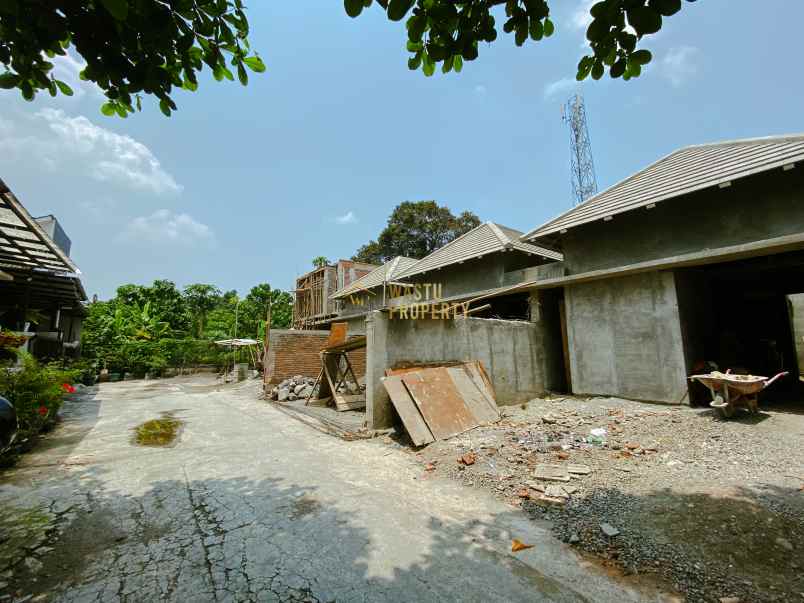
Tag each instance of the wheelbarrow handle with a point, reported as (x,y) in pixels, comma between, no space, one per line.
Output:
(774,378)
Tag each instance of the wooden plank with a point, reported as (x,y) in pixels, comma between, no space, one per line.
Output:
(475,400)
(344,402)
(481,380)
(441,405)
(412,419)
(401,370)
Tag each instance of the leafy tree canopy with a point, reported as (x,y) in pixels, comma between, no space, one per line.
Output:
(320,261)
(131,47)
(449,31)
(415,229)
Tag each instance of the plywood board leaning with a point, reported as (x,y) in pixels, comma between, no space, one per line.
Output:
(412,419)
(475,400)
(440,403)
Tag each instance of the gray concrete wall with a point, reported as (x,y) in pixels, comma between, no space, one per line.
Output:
(755,208)
(512,352)
(624,337)
(797,310)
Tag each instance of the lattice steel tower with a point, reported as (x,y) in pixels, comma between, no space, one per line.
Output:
(582,166)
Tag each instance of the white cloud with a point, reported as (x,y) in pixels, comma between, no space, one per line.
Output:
(167,227)
(117,158)
(565,84)
(62,143)
(348,218)
(680,64)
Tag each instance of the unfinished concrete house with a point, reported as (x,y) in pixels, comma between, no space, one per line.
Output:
(296,351)
(457,305)
(312,307)
(371,292)
(692,259)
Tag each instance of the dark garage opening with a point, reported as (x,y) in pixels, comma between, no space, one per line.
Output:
(740,316)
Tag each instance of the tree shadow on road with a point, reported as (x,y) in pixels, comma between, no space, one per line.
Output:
(256,540)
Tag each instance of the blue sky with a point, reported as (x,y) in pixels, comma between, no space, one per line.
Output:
(247,185)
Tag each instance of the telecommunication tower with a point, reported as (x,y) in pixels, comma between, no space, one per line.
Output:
(582,166)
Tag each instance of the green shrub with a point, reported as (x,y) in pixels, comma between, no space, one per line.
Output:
(36,392)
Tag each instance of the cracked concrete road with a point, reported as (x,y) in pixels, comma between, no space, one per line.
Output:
(251,505)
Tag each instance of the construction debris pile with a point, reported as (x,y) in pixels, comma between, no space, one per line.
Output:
(295,388)
(712,508)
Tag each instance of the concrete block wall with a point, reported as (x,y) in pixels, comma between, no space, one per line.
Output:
(511,351)
(625,339)
(292,352)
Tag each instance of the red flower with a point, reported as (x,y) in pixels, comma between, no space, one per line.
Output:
(68,388)
(43,410)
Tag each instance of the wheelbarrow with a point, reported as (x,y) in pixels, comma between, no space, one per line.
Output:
(730,391)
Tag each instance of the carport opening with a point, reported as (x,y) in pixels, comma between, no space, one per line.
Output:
(741,316)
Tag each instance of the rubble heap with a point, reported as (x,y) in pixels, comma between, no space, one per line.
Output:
(297,387)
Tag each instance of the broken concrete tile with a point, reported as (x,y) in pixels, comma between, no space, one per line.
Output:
(536,486)
(579,469)
(549,419)
(551,473)
(569,488)
(555,491)
(609,530)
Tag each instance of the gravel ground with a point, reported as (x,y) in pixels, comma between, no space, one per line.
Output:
(713,509)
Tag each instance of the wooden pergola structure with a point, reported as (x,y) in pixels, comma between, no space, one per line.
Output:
(37,275)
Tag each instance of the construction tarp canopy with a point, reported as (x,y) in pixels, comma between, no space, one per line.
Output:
(236,343)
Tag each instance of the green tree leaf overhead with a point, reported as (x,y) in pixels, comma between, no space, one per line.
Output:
(131,47)
(443,31)
(415,229)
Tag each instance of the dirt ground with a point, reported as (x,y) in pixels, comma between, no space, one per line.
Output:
(711,508)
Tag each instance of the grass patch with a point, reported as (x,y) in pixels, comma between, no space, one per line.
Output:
(158,432)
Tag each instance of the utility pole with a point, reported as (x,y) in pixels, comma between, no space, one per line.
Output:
(582,165)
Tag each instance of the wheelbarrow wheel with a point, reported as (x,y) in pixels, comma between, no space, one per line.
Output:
(725,411)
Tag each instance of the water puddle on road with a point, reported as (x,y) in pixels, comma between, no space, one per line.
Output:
(162,432)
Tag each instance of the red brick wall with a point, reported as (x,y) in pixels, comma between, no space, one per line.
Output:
(296,353)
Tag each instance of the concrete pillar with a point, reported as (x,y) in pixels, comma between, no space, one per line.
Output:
(379,411)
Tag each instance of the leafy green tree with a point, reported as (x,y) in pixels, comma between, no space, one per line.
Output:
(320,261)
(131,47)
(415,229)
(200,300)
(449,32)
